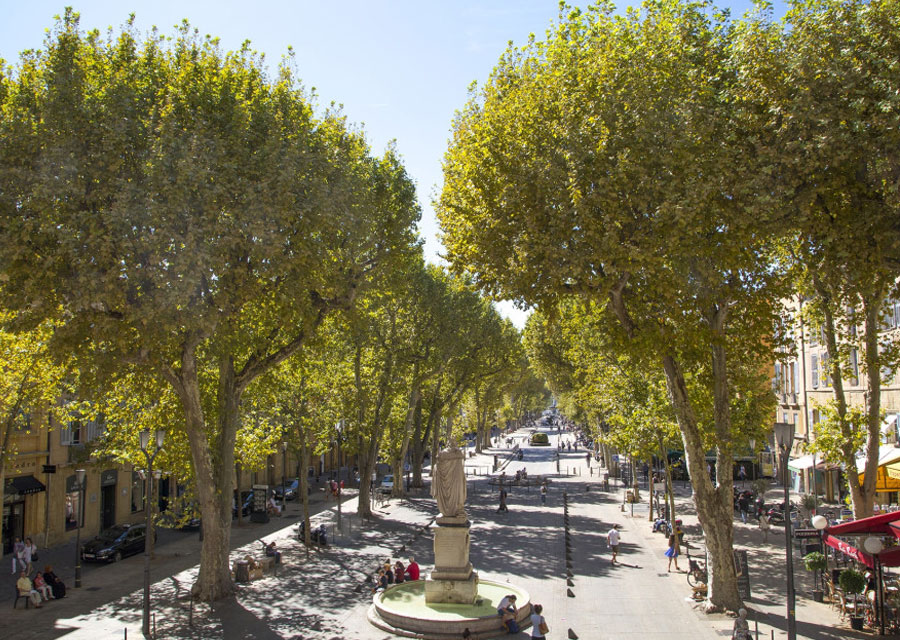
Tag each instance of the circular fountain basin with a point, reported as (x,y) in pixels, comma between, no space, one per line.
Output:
(402,610)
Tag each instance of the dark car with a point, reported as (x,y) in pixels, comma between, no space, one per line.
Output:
(115,543)
(291,488)
(246,505)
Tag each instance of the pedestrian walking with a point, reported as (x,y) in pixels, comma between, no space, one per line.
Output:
(742,474)
(612,539)
(744,506)
(544,493)
(674,549)
(764,526)
(741,630)
(539,628)
(587,459)
(502,508)
(18,559)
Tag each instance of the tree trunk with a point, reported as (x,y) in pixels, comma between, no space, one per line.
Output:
(304,489)
(872,306)
(713,509)
(417,446)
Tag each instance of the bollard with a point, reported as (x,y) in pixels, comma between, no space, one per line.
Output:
(191,612)
(126,633)
(154,624)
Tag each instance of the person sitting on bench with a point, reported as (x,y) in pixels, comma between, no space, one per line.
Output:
(272,552)
(23,584)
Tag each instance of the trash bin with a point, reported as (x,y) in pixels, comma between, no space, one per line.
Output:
(242,571)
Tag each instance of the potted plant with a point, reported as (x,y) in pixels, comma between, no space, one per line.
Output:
(815,562)
(852,581)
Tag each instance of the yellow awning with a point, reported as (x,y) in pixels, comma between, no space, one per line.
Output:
(893,470)
(888,478)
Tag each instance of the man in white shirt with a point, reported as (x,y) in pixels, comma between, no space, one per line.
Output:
(612,538)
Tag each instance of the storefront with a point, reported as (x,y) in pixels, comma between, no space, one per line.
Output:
(15,497)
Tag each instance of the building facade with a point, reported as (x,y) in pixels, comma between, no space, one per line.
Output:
(803,386)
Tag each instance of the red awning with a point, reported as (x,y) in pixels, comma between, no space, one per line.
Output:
(875,525)
(884,524)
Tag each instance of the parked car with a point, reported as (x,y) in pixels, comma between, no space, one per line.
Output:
(115,543)
(291,489)
(246,505)
(387,484)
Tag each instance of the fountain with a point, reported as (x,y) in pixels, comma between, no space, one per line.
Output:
(451,599)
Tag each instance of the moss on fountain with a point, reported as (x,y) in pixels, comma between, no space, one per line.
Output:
(402,609)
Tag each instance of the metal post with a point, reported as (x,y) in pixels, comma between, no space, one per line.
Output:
(880,578)
(791,615)
(340,489)
(145,626)
(148,440)
(81,480)
(283,478)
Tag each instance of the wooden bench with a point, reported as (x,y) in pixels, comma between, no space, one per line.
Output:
(19,594)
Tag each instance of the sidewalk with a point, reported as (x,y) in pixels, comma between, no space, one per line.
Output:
(327,596)
(768,603)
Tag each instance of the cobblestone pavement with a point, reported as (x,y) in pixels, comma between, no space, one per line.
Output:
(327,596)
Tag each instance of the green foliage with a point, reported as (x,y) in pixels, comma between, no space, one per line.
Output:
(852,581)
(837,434)
(815,561)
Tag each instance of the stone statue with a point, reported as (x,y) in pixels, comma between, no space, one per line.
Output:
(449,483)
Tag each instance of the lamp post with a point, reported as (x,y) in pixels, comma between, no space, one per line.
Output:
(339,427)
(752,443)
(873,545)
(80,478)
(158,437)
(784,438)
(284,446)
(820,523)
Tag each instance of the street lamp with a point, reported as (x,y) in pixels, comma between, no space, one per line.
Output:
(820,523)
(158,437)
(752,444)
(79,477)
(339,427)
(874,546)
(284,446)
(784,438)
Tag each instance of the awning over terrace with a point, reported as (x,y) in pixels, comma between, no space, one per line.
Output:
(885,524)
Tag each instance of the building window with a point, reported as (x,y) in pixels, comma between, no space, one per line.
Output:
(826,370)
(137,492)
(813,336)
(70,434)
(814,369)
(854,367)
(73,503)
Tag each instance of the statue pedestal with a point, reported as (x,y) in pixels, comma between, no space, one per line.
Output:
(453,580)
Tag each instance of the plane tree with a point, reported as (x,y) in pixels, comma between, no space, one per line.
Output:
(177,208)
(606,163)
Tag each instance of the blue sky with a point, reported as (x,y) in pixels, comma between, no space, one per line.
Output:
(400,68)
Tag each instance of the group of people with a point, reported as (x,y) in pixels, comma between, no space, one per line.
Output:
(45,585)
(396,574)
(508,612)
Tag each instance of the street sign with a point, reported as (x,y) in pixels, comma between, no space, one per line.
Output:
(806,533)
(49,468)
(742,569)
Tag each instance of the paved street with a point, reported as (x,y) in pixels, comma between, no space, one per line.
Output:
(327,596)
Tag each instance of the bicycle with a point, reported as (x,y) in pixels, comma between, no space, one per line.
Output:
(697,574)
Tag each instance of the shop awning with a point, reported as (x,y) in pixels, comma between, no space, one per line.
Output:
(884,524)
(23,485)
(801,464)
(884,481)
